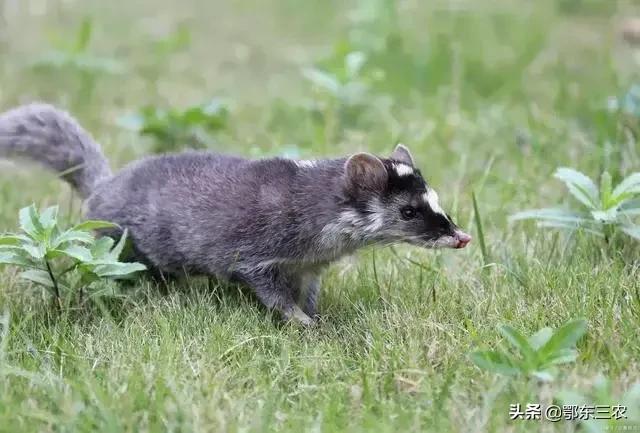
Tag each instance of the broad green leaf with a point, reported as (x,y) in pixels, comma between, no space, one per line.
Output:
(632,230)
(630,185)
(54,254)
(42,278)
(12,248)
(12,258)
(552,214)
(6,257)
(496,362)
(580,186)
(134,267)
(118,269)
(72,236)
(616,201)
(630,208)
(520,342)
(563,356)
(30,223)
(94,225)
(117,250)
(34,215)
(608,216)
(564,337)
(102,247)
(88,276)
(543,375)
(38,276)
(569,226)
(538,339)
(35,251)
(48,218)
(77,252)
(11,240)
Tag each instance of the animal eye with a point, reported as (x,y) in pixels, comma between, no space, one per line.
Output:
(408,212)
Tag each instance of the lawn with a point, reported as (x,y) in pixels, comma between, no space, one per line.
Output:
(492,96)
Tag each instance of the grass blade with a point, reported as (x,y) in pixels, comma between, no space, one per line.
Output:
(478,220)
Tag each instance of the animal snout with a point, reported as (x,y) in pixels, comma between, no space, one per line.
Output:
(462,239)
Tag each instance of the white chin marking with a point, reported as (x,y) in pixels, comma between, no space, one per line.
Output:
(431,197)
(446,242)
(403,169)
(306,163)
(441,242)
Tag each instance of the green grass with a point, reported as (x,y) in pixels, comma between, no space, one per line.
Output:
(491,96)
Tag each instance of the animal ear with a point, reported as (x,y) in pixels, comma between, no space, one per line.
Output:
(402,154)
(365,172)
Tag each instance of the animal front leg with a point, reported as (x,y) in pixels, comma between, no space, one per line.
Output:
(275,291)
(310,301)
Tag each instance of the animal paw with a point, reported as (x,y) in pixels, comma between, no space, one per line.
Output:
(300,316)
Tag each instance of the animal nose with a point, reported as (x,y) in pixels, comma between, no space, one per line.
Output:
(462,238)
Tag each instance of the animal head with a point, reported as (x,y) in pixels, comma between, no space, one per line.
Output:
(389,201)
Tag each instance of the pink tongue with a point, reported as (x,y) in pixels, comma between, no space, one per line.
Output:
(463,238)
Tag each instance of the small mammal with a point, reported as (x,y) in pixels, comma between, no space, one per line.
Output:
(272,224)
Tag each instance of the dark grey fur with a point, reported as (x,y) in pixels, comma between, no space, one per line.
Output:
(53,138)
(273,224)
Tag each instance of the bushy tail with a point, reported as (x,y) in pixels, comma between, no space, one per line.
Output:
(42,133)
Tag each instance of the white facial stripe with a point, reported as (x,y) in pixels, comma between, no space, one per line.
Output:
(431,197)
(306,163)
(403,169)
